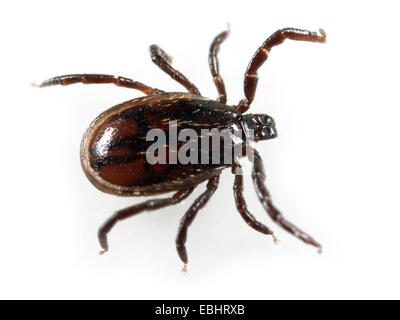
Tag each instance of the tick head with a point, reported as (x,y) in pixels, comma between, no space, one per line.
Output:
(259,126)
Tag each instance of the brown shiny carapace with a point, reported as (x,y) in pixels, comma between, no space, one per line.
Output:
(115,148)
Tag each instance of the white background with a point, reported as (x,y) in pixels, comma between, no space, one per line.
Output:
(334,170)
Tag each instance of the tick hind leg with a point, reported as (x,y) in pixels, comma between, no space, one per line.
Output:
(241,204)
(149,205)
(258,176)
(189,216)
(214,65)
(163,61)
(68,79)
(251,77)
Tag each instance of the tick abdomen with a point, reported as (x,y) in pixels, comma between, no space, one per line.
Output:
(114,148)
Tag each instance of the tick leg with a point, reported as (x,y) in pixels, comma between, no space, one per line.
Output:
(241,204)
(258,176)
(214,65)
(251,77)
(99,78)
(149,205)
(189,216)
(163,61)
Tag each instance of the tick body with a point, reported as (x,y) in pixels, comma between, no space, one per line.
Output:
(115,148)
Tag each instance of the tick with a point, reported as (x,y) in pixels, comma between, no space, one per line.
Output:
(114,147)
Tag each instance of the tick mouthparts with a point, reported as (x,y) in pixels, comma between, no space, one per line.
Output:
(273,132)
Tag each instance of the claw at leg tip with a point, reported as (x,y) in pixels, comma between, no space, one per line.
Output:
(323,34)
(228,27)
(102,252)
(35,85)
(184,269)
(276,240)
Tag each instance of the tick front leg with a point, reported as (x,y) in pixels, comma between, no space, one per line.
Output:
(149,205)
(163,61)
(258,176)
(66,80)
(189,216)
(251,77)
(214,65)
(241,204)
